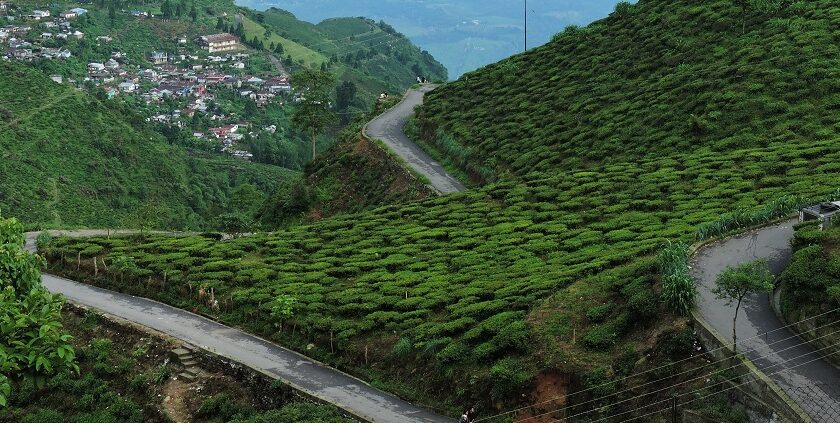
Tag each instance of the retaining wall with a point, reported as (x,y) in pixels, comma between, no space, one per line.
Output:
(753,382)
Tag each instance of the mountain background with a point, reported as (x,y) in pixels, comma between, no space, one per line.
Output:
(463,34)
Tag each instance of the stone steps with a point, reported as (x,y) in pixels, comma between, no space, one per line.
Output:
(184,355)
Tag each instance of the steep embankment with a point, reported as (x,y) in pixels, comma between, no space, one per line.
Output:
(551,273)
(657,78)
(354,175)
(72,160)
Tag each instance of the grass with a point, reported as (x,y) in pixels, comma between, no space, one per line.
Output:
(299,53)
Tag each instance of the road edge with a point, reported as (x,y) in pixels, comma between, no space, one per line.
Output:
(393,155)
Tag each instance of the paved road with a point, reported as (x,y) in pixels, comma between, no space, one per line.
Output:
(324,382)
(779,349)
(389,129)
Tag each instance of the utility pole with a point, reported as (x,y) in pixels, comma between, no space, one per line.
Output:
(526,25)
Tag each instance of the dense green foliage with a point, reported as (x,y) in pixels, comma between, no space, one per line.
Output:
(124,377)
(812,280)
(353,175)
(69,159)
(555,266)
(653,79)
(33,344)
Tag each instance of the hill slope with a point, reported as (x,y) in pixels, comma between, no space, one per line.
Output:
(649,79)
(69,160)
(552,270)
(372,55)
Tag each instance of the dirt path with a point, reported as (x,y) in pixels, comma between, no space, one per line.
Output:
(174,403)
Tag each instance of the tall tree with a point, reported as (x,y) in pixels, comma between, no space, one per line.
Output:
(735,283)
(193,13)
(312,114)
(345,93)
(166,9)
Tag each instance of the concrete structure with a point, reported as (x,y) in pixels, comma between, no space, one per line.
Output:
(219,42)
(158,57)
(823,212)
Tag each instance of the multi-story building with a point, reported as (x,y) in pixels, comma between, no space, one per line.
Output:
(219,42)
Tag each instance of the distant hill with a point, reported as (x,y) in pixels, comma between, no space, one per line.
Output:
(464,34)
(371,54)
(69,159)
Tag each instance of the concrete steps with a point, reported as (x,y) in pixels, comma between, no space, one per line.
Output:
(184,355)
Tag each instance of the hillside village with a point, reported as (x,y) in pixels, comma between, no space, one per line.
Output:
(174,87)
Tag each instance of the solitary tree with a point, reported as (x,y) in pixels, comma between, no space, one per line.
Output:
(344,95)
(735,283)
(313,113)
(282,309)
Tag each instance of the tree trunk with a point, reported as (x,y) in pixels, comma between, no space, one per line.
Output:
(314,137)
(734,331)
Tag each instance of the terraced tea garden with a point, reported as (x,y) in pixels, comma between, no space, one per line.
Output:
(468,286)
(664,122)
(655,78)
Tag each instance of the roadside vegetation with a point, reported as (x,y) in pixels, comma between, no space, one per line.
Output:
(811,286)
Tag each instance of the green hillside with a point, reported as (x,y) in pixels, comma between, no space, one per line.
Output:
(602,146)
(71,160)
(648,80)
(372,55)
(354,175)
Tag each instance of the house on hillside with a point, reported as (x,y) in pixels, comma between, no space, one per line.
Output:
(825,213)
(68,14)
(158,57)
(219,42)
(39,14)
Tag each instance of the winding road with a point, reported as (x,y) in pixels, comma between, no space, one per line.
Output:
(388,128)
(786,359)
(320,381)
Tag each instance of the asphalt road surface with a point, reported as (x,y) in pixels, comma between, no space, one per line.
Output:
(318,380)
(794,365)
(389,129)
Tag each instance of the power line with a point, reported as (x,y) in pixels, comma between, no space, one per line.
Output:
(685,381)
(699,389)
(657,368)
(670,386)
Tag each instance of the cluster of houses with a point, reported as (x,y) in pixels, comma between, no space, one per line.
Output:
(188,79)
(15,38)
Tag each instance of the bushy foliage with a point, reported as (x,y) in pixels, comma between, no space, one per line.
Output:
(633,85)
(678,290)
(33,344)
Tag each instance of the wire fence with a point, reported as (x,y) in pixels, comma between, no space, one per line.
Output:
(820,401)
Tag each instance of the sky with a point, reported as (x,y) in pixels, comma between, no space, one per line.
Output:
(462,34)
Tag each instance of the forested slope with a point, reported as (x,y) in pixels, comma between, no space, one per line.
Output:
(69,159)
(656,78)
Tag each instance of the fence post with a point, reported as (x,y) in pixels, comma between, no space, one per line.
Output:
(674,409)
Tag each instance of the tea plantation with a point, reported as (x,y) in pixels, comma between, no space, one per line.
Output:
(613,148)
(655,78)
